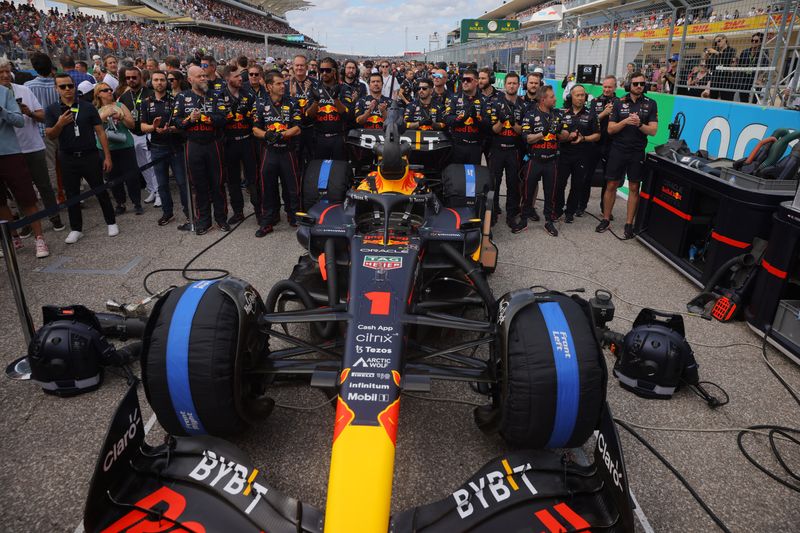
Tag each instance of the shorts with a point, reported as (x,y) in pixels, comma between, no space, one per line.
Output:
(622,164)
(15,178)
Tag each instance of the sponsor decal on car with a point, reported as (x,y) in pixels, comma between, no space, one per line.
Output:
(383,262)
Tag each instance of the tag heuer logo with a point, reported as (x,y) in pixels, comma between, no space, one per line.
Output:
(382,262)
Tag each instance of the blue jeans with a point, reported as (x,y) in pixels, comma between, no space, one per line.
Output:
(176,161)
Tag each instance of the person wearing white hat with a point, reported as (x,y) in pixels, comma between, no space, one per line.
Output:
(85,87)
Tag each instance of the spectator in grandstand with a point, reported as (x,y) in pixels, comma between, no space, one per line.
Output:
(751,57)
(626,81)
(718,57)
(699,81)
(118,123)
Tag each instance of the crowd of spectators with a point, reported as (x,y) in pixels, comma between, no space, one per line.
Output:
(222,13)
(24,29)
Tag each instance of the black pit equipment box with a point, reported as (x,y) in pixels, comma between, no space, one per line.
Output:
(776,296)
(697,221)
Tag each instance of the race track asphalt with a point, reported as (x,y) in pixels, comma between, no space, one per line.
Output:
(49,445)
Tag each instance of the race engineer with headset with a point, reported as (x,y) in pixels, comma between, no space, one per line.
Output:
(577,152)
(423,113)
(633,118)
(329,111)
(201,113)
(276,122)
(542,130)
(506,114)
(467,116)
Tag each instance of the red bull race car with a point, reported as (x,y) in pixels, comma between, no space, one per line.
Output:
(386,261)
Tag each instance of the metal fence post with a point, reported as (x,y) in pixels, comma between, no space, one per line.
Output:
(682,59)
(25,319)
(668,52)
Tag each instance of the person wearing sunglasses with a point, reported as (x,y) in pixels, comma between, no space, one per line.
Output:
(133,99)
(166,146)
(633,118)
(505,151)
(202,115)
(751,57)
(255,76)
(466,116)
(300,86)
(423,113)
(329,112)
(440,91)
(215,81)
(391,85)
(176,83)
(239,149)
(76,124)
(721,55)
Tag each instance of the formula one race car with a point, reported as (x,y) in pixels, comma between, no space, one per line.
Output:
(387,262)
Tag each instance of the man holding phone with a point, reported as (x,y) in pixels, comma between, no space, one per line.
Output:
(75,123)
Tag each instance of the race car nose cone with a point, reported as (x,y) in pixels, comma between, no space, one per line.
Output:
(19,369)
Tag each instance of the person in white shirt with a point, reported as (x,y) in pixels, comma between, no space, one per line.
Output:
(31,143)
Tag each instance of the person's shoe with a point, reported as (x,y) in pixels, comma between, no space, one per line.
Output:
(535,216)
(150,198)
(569,218)
(41,248)
(17,242)
(236,218)
(166,219)
(25,232)
(579,213)
(202,230)
(186,225)
(57,224)
(628,231)
(264,230)
(157,201)
(602,226)
(73,237)
(120,209)
(521,226)
(138,210)
(113,230)
(224,226)
(551,229)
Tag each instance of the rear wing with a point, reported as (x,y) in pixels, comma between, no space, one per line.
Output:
(420,140)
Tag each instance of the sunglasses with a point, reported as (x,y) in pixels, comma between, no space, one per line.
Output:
(638,84)
(424,88)
(467,80)
(204,65)
(131,78)
(106,90)
(254,74)
(384,66)
(437,75)
(755,40)
(66,86)
(172,80)
(325,70)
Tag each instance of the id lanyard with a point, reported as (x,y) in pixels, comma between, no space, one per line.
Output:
(75,108)
(136,103)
